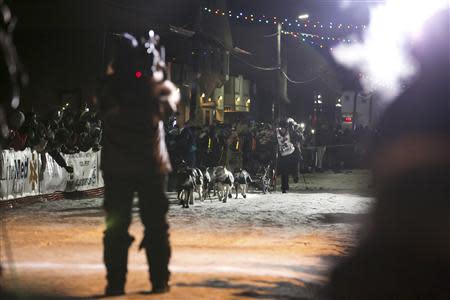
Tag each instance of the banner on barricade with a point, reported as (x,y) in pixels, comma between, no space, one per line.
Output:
(101,182)
(19,174)
(52,177)
(28,173)
(85,171)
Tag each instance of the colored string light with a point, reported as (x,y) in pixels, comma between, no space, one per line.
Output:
(288,22)
(312,39)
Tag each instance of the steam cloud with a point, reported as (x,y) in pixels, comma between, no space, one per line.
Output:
(383,56)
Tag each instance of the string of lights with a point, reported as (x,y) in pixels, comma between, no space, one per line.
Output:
(297,23)
(260,68)
(316,41)
(310,39)
(313,39)
(304,36)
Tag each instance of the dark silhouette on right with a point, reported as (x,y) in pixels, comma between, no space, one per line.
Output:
(406,252)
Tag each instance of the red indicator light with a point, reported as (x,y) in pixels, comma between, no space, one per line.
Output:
(138,74)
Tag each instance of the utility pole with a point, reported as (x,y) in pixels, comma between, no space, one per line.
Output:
(278,97)
(277,100)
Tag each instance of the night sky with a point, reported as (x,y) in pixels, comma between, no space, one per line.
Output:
(61,47)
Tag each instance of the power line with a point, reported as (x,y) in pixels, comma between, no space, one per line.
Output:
(271,35)
(254,66)
(299,82)
(274,69)
(217,40)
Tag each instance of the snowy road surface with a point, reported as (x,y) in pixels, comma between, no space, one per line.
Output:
(272,246)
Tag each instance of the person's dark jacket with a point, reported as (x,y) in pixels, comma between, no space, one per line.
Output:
(133,135)
(185,140)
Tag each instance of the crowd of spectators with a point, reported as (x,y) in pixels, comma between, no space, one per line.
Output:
(336,148)
(246,144)
(61,131)
(252,145)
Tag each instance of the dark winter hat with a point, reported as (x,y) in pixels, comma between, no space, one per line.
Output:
(129,56)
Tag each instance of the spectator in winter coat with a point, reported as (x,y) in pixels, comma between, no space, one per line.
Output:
(17,138)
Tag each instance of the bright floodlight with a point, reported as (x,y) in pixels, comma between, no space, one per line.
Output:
(302,125)
(303,17)
(383,56)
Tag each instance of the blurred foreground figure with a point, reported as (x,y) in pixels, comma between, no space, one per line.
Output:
(406,254)
(134,159)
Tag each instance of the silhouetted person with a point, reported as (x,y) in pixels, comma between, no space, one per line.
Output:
(322,141)
(134,159)
(187,144)
(288,155)
(406,254)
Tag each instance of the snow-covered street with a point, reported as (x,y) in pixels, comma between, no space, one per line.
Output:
(277,245)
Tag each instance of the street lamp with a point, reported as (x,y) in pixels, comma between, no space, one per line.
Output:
(304,17)
(281,87)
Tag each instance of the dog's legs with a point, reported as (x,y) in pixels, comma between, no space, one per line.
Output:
(185,199)
(191,196)
(209,193)
(181,197)
(218,192)
(188,198)
(204,193)
(225,193)
(200,192)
